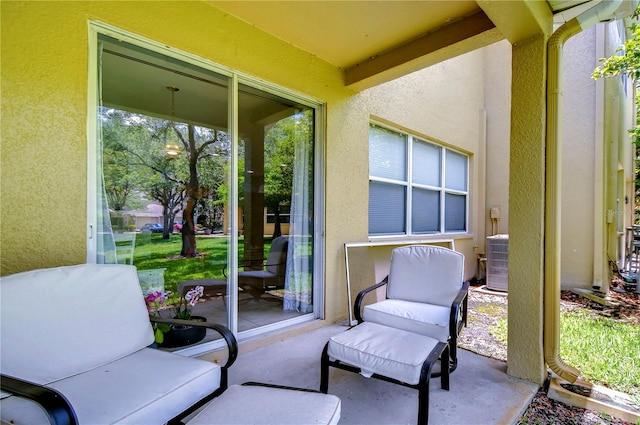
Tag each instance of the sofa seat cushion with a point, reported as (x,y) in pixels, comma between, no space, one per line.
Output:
(424,319)
(249,404)
(149,386)
(386,351)
(21,411)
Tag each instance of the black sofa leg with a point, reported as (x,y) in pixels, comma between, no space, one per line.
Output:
(324,370)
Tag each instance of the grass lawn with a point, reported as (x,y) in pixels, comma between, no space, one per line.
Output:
(605,350)
(153,252)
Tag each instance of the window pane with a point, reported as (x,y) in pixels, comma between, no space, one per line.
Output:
(426,163)
(386,208)
(425,211)
(387,154)
(455,213)
(456,171)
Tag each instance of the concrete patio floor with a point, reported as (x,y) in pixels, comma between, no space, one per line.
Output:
(480,390)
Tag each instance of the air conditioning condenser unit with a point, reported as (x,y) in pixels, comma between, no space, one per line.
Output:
(497,260)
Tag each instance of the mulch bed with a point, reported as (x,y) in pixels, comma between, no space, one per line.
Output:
(623,304)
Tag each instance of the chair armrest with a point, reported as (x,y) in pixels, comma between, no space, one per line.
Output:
(54,403)
(357,306)
(459,306)
(230,339)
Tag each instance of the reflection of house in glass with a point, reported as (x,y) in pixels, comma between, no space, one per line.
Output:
(153,214)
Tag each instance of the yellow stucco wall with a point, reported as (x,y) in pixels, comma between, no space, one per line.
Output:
(526,212)
(43,185)
(44,116)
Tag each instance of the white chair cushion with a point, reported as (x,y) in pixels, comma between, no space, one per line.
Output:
(242,404)
(390,352)
(146,387)
(424,319)
(62,321)
(21,411)
(427,274)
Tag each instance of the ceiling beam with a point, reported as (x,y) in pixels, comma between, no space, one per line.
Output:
(519,20)
(415,54)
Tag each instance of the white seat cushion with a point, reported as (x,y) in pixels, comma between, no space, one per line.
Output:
(149,386)
(390,352)
(21,411)
(241,404)
(424,319)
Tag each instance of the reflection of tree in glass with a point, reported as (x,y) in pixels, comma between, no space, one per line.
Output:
(135,162)
(281,141)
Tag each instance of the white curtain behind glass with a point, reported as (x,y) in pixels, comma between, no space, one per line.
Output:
(106,248)
(298,292)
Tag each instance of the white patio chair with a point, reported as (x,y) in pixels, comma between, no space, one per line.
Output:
(425,294)
(269,275)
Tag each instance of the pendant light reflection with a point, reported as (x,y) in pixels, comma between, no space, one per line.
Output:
(172,149)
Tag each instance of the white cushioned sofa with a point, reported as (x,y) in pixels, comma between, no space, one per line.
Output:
(74,349)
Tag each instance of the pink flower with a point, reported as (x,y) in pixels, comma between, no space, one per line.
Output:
(156,300)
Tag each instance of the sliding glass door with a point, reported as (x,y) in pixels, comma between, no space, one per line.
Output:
(204,178)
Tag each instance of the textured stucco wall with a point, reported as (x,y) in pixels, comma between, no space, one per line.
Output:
(44,116)
(526,212)
(498,100)
(578,160)
(597,159)
(43,140)
(442,103)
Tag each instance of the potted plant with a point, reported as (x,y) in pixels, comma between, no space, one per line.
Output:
(156,301)
(178,335)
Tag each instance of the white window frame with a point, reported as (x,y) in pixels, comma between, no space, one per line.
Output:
(408,185)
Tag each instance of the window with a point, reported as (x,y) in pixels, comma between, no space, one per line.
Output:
(416,187)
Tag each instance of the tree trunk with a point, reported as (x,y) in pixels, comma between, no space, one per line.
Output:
(277,228)
(192,195)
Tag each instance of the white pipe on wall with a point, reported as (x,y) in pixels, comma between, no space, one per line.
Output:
(553,233)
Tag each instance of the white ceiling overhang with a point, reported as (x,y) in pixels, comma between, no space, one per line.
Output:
(371,42)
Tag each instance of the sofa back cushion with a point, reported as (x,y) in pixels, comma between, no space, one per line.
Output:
(62,321)
(427,274)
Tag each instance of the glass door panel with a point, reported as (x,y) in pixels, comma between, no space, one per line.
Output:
(276,202)
(167,171)
(163,163)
